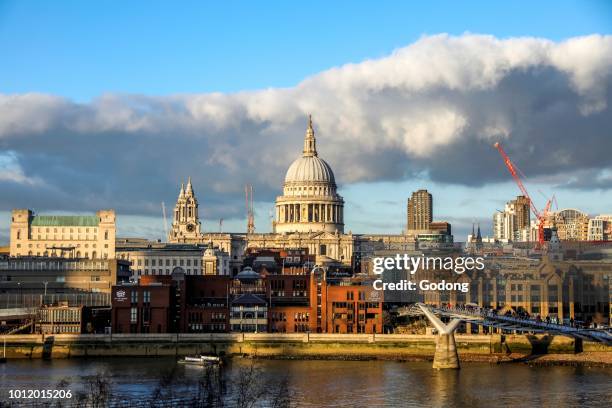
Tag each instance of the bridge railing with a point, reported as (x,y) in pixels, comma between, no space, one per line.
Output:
(492,314)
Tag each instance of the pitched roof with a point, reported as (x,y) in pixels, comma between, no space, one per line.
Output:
(248,299)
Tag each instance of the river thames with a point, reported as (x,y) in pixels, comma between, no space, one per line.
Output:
(325,383)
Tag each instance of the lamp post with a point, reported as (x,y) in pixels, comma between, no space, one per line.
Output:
(20,294)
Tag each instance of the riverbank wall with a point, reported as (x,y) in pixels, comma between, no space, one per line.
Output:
(267,345)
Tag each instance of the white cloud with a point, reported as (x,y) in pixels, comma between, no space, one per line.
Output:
(11,171)
(433,107)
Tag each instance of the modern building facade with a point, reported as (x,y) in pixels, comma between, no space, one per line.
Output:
(571,224)
(514,222)
(38,276)
(600,228)
(67,236)
(420,211)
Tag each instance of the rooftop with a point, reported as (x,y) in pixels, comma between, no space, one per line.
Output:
(65,221)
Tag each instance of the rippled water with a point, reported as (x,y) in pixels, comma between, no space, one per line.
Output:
(342,383)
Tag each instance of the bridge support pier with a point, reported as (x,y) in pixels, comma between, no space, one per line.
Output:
(446,350)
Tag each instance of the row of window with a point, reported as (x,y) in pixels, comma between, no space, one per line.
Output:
(160,262)
(63,234)
(351,295)
(30,245)
(66,254)
(164,272)
(215,327)
(61,328)
(361,328)
(60,315)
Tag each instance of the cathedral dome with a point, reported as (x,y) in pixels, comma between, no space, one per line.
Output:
(310,168)
(309,202)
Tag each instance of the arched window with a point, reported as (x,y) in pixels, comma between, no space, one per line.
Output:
(93,255)
(18,234)
(106,235)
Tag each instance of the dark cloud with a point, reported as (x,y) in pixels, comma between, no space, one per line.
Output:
(431,109)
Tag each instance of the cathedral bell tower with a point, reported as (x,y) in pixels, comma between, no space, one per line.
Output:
(185,222)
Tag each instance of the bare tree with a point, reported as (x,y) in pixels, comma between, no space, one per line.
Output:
(97,391)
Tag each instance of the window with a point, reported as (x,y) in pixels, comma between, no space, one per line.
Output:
(134,296)
(134,314)
(146,296)
(106,235)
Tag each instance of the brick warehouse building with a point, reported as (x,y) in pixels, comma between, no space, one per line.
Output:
(250,302)
(147,307)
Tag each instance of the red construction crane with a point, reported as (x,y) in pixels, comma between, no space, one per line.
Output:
(540,216)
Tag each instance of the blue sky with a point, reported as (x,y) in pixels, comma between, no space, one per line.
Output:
(108,67)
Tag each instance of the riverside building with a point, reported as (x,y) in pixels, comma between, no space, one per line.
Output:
(67,236)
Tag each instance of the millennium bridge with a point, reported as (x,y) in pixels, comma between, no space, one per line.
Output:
(446,350)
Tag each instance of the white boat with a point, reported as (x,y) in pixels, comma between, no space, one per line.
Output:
(201,360)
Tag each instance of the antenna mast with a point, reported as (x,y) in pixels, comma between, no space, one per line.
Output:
(248,192)
(163,205)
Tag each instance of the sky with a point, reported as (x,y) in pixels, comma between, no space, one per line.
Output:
(111,104)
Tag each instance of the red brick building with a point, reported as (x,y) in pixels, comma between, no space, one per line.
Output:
(143,308)
(290,303)
(206,304)
(353,306)
(258,302)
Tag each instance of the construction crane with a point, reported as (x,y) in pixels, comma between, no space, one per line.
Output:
(248,193)
(163,205)
(541,216)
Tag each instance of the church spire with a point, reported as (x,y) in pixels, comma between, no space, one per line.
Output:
(182,192)
(189,190)
(310,143)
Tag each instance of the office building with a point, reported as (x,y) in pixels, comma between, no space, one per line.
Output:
(66,236)
(420,211)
